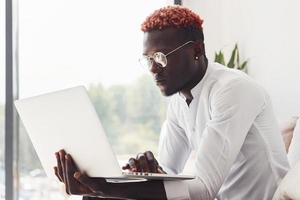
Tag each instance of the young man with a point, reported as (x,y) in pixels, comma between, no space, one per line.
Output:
(221,114)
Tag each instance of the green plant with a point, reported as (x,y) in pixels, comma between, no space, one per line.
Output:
(234,61)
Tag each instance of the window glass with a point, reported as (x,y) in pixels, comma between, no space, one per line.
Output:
(96,44)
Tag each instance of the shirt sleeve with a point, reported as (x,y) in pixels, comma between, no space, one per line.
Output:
(234,108)
(174,150)
(174,147)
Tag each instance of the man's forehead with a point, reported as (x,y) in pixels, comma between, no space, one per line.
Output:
(161,39)
(156,38)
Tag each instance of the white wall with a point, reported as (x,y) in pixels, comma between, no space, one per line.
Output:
(268,33)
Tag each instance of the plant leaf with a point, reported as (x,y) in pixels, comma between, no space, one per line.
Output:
(231,64)
(243,66)
(216,57)
(219,58)
(237,56)
(222,59)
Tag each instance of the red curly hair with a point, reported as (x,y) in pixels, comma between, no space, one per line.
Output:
(172,16)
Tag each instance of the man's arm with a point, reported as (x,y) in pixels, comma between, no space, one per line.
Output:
(174,150)
(234,108)
(174,146)
(233,111)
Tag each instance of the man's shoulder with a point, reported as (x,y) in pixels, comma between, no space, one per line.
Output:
(226,75)
(224,78)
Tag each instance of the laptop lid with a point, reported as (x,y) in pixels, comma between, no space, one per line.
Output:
(66,119)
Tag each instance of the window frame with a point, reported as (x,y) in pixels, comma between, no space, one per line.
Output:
(11,93)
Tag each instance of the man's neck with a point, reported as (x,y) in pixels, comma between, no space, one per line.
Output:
(186,91)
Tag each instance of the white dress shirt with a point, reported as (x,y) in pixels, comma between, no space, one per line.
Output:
(231,126)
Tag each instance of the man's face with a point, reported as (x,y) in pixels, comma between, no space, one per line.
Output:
(180,68)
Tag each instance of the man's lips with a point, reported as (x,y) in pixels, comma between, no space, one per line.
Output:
(160,80)
(161,83)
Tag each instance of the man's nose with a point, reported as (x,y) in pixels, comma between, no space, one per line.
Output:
(155,68)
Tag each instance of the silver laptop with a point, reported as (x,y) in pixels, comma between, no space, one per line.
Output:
(66,119)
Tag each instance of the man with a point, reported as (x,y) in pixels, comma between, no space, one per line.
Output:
(221,114)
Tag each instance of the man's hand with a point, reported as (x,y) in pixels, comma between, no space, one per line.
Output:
(144,162)
(77,183)
(81,184)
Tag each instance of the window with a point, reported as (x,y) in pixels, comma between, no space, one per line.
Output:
(2,96)
(96,44)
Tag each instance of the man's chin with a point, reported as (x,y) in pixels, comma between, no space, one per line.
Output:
(165,91)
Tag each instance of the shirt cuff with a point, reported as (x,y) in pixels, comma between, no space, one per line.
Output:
(176,190)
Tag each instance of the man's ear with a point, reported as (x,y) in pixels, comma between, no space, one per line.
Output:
(199,49)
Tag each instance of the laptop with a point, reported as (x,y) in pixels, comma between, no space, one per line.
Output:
(67,119)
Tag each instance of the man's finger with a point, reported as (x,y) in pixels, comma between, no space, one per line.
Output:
(59,168)
(62,155)
(70,170)
(133,165)
(152,163)
(143,163)
(126,167)
(57,175)
(160,170)
(72,162)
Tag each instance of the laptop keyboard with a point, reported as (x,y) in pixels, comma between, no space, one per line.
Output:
(140,173)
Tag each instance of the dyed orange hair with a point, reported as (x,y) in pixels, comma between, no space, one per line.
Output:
(172,16)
